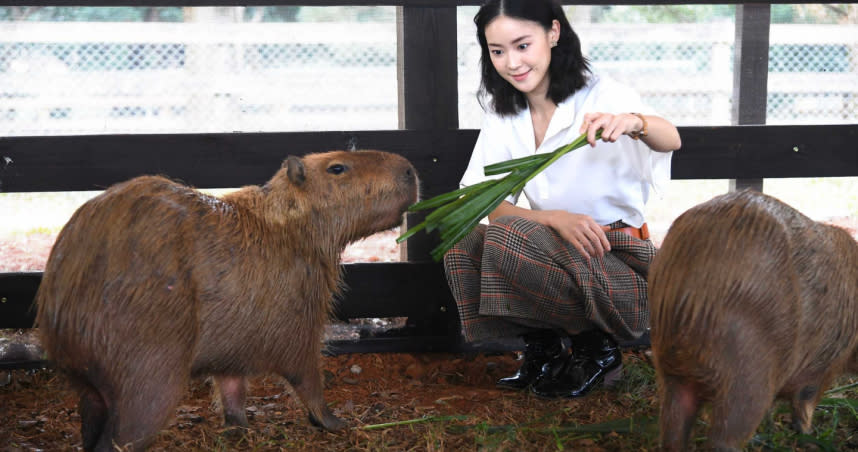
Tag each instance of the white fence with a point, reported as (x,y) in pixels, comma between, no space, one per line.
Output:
(83,78)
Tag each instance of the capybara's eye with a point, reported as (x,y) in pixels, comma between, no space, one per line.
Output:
(336,168)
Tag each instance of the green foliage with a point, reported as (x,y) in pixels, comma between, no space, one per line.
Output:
(825,13)
(458,212)
(91,14)
(678,14)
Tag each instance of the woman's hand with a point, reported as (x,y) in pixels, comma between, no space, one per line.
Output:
(662,136)
(587,236)
(613,126)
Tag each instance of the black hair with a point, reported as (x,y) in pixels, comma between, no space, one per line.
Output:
(568,71)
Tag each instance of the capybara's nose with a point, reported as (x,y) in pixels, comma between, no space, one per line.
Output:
(409,176)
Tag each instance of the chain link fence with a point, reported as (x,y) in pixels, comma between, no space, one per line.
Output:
(78,78)
(215,76)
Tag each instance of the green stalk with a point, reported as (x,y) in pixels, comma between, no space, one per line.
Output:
(459,211)
(509,165)
(461,223)
(444,198)
(441,213)
(410,232)
(560,152)
(483,204)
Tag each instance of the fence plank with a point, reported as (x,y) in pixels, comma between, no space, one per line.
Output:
(17,291)
(390,289)
(71,163)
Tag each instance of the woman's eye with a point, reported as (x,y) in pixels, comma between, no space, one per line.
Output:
(523,46)
(496,52)
(336,169)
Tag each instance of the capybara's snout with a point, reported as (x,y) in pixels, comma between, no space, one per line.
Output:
(409,181)
(407,193)
(394,197)
(403,172)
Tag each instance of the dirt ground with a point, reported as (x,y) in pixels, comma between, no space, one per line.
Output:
(441,402)
(391,402)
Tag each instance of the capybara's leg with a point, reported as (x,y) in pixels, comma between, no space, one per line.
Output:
(93,415)
(737,413)
(803,404)
(144,406)
(679,407)
(308,386)
(233,391)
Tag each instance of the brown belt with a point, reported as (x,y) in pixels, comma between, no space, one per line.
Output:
(638,233)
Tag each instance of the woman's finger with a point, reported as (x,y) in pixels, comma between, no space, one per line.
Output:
(578,246)
(596,243)
(606,244)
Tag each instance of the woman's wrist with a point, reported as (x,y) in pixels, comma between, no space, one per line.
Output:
(642,130)
(661,135)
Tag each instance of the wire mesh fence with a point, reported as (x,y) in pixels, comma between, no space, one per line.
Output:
(227,74)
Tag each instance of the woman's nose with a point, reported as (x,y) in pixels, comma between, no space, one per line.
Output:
(512,62)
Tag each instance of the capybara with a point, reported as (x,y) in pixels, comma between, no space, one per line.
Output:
(152,283)
(751,300)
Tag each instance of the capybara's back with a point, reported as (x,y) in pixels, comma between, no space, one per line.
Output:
(750,300)
(152,282)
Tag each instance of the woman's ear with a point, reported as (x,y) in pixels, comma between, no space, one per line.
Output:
(554,32)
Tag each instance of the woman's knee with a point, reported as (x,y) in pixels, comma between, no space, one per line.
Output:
(511,224)
(471,245)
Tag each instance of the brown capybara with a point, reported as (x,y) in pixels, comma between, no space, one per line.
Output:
(750,300)
(152,283)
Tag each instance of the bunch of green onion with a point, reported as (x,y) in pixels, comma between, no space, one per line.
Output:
(457,212)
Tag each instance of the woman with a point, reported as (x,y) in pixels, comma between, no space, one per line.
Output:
(574,263)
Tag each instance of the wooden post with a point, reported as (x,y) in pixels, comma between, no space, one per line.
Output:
(750,73)
(428,88)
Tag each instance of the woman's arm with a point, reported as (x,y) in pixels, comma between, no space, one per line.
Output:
(587,236)
(661,135)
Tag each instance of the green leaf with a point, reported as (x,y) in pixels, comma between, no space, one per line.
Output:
(446,197)
(410,232)
(509,165)
(459,211)
(440,213)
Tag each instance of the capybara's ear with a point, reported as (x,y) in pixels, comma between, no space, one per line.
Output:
(295,169)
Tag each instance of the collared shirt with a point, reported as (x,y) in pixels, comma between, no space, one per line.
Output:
(609,182)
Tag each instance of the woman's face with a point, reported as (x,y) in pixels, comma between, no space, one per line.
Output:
(520,51)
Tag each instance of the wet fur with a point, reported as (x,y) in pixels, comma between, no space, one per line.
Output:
(152,283)
(750,300)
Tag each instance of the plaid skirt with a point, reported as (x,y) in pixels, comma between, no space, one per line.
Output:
(517,275)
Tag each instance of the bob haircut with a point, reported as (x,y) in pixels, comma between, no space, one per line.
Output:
(568,71)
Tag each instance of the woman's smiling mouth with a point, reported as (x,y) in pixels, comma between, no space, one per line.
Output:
(520,77)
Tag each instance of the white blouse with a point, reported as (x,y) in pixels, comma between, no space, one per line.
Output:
(608,182)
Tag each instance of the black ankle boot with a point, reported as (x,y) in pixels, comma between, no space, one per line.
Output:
(539,348)
(595,359)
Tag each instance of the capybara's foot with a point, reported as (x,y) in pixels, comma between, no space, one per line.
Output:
(233,420)
(233,391)
(329,422)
